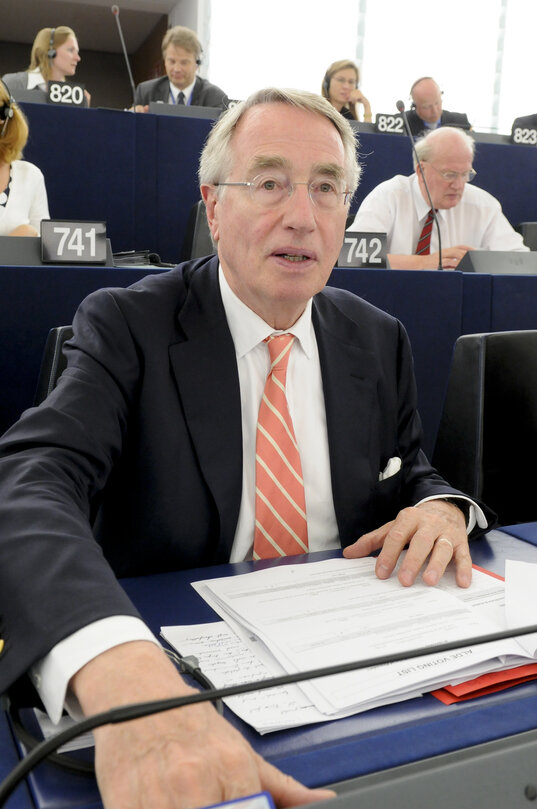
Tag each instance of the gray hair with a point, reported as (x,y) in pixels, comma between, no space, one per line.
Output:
(426,146)
(216,157)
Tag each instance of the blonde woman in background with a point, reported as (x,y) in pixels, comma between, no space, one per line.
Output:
(55,57)
(341,88)
(23,196)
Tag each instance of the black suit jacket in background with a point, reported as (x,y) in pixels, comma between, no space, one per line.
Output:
(204,93)
(417,125)
(525,122)
(140,446)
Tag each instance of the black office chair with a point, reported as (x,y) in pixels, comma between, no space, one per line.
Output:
(487,439)
(529,234)
(53,362)
(198,240)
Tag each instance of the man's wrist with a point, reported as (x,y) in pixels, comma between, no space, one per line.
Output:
(462,505)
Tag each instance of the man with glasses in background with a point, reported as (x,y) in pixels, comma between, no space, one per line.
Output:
(426,112)
(231,408)
(469,217)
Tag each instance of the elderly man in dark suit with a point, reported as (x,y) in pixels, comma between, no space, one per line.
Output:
(181,52)
(144,458)
(427,113)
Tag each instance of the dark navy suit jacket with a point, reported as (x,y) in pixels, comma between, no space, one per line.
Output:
(140,447)
(417,125)
(204,93)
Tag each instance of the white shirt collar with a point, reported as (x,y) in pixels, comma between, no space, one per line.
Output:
(35,79)
(248,329)
(187,91)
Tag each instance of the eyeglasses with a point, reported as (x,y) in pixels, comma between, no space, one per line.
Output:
(453,176)
(270,190)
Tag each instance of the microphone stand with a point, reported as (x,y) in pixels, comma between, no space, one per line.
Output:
(401,108)
(115,12)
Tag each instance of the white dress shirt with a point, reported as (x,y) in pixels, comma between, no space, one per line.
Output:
(187,92)
(397,207)
(305,396)
(304,391)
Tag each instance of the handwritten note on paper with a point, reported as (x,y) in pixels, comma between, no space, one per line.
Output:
(227,660)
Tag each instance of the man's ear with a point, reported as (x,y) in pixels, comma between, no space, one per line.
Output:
(210,198)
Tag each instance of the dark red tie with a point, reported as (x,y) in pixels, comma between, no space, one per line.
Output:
(424,242)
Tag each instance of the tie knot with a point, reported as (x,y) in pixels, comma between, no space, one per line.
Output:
(279,346)
(181,98)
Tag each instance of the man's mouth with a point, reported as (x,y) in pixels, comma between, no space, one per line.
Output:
(293,257)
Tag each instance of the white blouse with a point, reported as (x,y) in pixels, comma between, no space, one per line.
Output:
(27,202)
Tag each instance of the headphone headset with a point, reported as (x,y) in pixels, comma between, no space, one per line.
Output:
(6,110)
(199,56)
(326,82)
(51,53)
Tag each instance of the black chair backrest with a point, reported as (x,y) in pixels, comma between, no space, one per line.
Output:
(198,242)
(529,234)
(487,439)
(53,362)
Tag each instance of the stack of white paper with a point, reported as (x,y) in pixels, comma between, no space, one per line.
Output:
(298,617)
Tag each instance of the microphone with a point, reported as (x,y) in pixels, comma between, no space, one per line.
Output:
(127,713)
(115,12)
(401,108)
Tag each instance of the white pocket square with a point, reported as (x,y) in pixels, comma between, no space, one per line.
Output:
(392,467)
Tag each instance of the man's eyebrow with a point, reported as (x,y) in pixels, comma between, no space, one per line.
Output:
(262,162)
(269,162)
(329,170)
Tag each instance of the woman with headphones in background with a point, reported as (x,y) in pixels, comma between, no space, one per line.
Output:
(340,87)
(54,57)
(23,197)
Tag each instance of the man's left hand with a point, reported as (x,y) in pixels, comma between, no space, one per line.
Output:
(435,533)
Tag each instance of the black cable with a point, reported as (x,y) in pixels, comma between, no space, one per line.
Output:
(187,665)
(136,711)
(401,108)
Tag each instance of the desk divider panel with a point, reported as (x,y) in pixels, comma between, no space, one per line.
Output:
(430,306)
(32,301)
(89,161)
(513,302)
(139,171)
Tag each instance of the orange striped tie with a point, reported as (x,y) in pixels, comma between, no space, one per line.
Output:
(280,508)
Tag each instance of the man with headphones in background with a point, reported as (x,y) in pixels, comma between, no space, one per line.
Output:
(426,111)
(181,52)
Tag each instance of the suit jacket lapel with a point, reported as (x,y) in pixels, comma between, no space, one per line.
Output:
(163,90)
(349,381)
(205,369)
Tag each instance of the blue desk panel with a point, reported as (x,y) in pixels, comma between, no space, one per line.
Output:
(333,751)
(32,301)
(513,303)
(430,304)
(8,759)
(434,307)
(139,171)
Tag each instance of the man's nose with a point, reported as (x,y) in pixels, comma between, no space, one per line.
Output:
(299,206)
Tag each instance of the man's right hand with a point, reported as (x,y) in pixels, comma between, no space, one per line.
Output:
(179,759)
(450,259)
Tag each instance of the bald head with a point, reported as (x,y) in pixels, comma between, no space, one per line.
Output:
(440,144)
(446,156)
(427,98)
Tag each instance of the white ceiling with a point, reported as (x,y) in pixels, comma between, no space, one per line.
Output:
(92,20)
